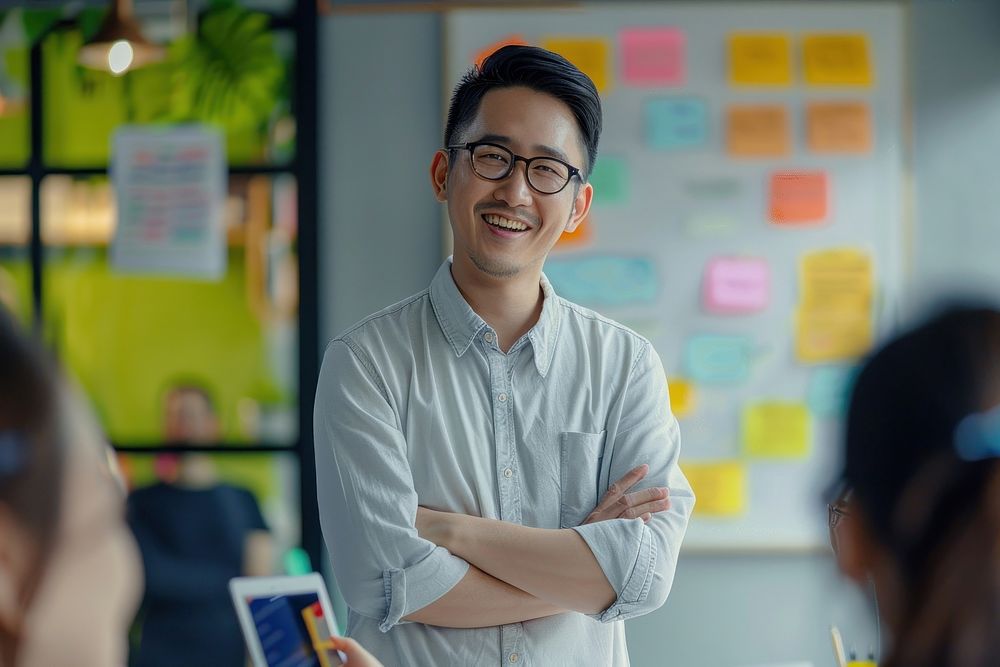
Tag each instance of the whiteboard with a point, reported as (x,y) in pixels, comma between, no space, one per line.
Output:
(783,507)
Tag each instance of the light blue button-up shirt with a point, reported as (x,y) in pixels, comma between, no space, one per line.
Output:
(417,405)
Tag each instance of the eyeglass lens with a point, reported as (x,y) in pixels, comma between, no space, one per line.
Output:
(544,174)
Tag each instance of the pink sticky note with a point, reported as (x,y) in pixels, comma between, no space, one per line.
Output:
(736,285)
(652,56)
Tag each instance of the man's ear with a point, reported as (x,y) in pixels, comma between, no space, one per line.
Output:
(439,175)
(581,206)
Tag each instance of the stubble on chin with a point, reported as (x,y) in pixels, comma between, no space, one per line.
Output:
(494,269)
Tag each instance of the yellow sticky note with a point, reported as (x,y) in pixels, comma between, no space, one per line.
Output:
(839,127)
(719,487)
(758,131)
(760,59)
(776,430)
(836,279)
(836,60)
(591,54)
(682,396)
(828,335)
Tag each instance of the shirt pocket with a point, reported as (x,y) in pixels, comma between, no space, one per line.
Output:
(580,457)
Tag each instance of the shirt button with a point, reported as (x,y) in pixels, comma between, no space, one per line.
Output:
(514,657)
(488,337)
(502,398)
(508,473)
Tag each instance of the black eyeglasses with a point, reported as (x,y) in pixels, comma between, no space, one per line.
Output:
(546,175)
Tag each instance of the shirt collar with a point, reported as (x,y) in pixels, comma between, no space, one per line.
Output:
(461,324)
(458,321)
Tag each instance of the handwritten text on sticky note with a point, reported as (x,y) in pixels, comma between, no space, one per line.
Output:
(836,60)
(839,127)
(676,122)
(798,197)
(758,131)
(760,59)
(734,285)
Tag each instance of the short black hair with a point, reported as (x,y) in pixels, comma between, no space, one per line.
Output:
(539,70)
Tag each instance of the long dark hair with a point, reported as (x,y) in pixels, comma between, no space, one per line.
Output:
(923,458)
(31,454)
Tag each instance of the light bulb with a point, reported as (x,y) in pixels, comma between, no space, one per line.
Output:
(120,56)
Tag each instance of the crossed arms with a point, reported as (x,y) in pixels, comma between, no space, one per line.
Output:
(518,573)
(397,562)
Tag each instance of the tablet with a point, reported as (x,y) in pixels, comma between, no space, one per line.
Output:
(286,621)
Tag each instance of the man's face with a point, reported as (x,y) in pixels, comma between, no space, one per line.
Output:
(189,418)
(529,124)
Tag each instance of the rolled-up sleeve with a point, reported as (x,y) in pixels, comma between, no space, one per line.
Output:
(367,503)
(639,559)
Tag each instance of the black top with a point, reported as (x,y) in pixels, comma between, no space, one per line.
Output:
(192,543)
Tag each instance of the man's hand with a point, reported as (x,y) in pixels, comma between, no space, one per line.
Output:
(617,503)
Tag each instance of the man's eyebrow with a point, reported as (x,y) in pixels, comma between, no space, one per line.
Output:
(550,151)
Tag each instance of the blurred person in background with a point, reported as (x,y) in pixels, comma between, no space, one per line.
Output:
(195,533)
(922,460)
(70,577)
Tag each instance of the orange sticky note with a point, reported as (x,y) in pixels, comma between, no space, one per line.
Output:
(580,237)
(836,60)
(798,197)
(509,40)
(839,127)
(760,59)
(757,131)
(591,54)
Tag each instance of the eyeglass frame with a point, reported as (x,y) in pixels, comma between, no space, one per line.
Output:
(472,145)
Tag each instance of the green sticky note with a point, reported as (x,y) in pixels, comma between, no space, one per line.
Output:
(610,181)
(296,561)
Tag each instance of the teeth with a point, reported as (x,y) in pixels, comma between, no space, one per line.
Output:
(500,221)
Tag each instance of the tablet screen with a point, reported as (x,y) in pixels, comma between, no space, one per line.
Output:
(289,628)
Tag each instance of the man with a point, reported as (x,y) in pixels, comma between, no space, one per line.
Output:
(195,533)
(464,435)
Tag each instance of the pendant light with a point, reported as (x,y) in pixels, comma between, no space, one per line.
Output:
(119,44)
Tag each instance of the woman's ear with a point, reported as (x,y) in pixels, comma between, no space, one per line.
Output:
(439,175)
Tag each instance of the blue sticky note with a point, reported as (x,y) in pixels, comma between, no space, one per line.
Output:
(604,280)
(717,359)
(676,122)
(829,390)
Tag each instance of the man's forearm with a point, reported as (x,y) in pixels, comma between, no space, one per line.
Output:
(479,601)
(553,565)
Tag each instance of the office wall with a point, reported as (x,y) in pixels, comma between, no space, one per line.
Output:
(381,120)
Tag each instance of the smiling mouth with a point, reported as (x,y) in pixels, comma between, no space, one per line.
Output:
(505,223)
